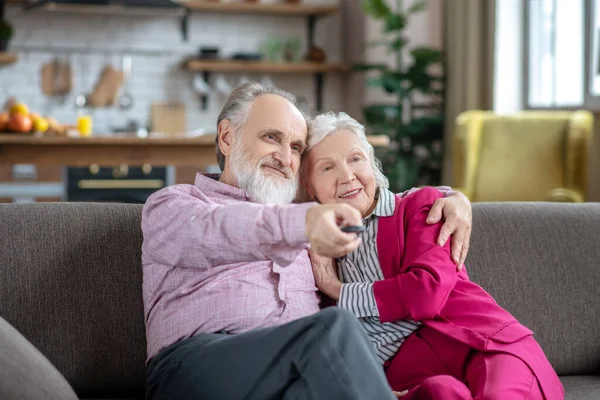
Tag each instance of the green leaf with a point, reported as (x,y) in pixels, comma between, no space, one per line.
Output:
(382,116)
(395,22)
(369,67)
(419,79)
(376,8)
(417,6)
(398,43)
(391,82)
(426,55)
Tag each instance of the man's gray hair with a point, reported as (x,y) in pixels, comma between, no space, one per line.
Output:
(238,105)
(328,123)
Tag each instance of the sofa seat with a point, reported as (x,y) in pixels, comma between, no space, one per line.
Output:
(581,387)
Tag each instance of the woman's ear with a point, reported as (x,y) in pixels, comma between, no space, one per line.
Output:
(309,192)
(225,132)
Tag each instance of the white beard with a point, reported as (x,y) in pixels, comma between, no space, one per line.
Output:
(262,188)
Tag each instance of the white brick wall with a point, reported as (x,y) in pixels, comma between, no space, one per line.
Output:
(155,78)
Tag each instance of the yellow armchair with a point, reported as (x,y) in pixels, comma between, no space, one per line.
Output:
(527,156)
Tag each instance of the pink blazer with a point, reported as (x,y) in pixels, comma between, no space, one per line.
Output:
(421,283)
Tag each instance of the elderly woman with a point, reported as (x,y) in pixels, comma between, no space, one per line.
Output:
(437,334)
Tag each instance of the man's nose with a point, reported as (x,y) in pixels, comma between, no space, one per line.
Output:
(284,156)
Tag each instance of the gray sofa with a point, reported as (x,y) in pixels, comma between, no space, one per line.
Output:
(71,281)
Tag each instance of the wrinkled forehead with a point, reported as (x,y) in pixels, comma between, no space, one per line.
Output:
(288,123)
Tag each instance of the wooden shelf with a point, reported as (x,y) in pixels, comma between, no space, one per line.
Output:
(152,140)
(7,58)
(263,67)
(198,152)
(110,140)
(254,8)
(245,8)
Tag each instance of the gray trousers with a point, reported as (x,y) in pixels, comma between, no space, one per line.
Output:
(325,356)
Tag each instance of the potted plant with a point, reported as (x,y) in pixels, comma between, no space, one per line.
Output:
(6,33)
(413,117)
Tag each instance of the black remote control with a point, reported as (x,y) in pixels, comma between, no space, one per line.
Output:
(353,229)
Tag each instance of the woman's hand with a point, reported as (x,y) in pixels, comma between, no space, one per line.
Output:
(325,275)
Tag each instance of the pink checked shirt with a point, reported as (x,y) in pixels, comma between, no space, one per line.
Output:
(214,261)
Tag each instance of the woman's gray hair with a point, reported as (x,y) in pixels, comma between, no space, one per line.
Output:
(330,122)
(238,105)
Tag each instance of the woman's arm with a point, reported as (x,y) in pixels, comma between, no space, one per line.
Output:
(454,208)
(427,273)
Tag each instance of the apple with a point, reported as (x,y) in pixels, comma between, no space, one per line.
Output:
(4,117)
(20,123)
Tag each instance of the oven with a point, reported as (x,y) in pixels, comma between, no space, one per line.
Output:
(115,184)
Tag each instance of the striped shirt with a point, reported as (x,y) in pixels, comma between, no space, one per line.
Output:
(358,270)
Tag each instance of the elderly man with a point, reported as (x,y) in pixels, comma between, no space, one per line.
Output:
(231,307)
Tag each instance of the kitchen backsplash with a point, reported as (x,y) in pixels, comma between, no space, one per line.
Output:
(157,50)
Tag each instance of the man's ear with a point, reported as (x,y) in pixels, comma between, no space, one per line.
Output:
(225,132)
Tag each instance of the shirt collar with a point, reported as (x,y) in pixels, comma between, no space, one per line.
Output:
(211,183)
(386,202)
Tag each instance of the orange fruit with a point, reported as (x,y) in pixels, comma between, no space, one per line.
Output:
(19,123)
(4,118)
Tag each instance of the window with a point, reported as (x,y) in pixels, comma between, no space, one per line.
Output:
(595,51)
(555,49)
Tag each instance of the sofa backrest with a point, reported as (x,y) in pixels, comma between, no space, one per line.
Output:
(541,262)
(71,282)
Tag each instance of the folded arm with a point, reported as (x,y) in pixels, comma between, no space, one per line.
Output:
(182,227)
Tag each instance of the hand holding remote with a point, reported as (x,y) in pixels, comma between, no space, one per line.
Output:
(324,233)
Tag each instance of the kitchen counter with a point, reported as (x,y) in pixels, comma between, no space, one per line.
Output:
(173,150)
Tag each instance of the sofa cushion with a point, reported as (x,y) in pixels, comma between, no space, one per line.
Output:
(540,262)
(26,374)
(582,387)
(71,283)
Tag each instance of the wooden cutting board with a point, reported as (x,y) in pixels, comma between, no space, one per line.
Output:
(168,118)
(56,78)
(66,78)
(107,87)
(48,78)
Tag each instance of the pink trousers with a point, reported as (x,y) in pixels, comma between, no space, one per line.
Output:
(432,365)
